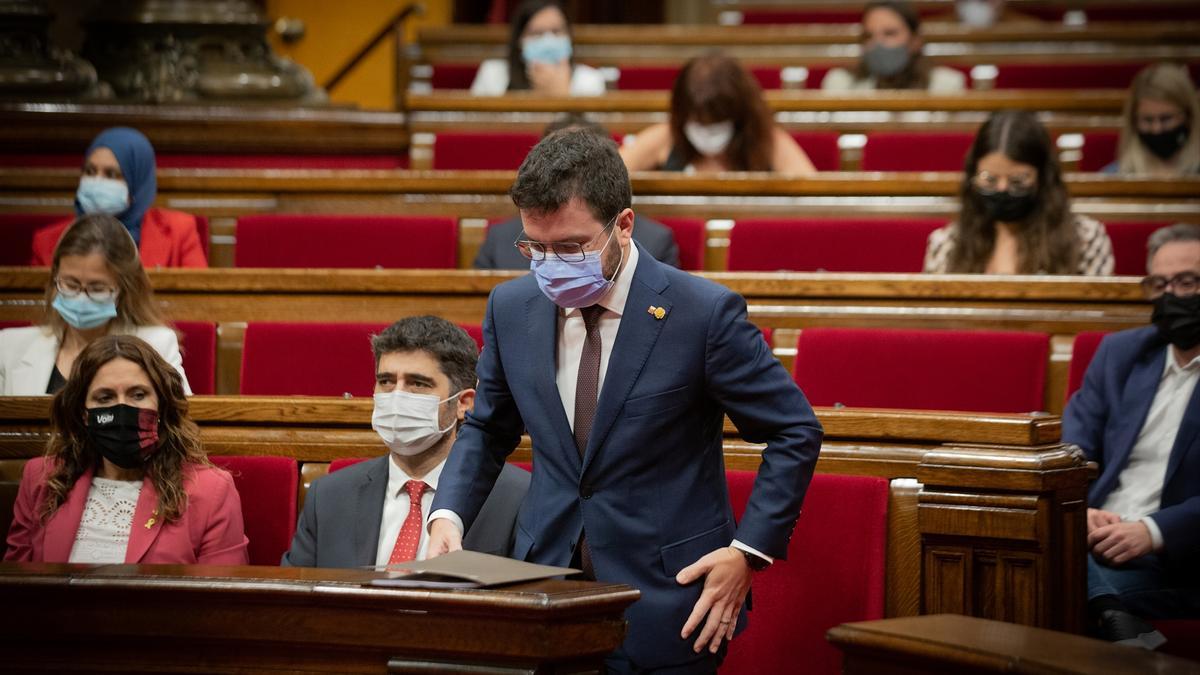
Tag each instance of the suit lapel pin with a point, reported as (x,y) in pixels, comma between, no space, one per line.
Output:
(150,523)
(656,312)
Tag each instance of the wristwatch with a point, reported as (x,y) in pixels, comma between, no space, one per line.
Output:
(756,563)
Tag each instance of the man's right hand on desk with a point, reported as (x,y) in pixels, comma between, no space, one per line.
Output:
(444,537)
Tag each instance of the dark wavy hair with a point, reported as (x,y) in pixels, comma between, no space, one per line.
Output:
(518,79)
(714,87)
(71,454)
(916,74)
(1047,241)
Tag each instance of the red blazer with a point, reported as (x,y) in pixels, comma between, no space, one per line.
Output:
(208,533)
(169,239)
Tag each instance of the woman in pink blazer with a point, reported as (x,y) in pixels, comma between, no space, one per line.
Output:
(125,478)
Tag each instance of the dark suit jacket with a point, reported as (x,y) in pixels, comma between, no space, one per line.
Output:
(339,526)
(650,490)
(498,252)
(1105,417)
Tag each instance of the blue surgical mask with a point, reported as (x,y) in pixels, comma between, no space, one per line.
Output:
(546,48)
(102,195)
(575,284)
(83,312)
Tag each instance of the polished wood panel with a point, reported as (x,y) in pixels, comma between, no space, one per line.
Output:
(966,488)
(224,619)
(946,643)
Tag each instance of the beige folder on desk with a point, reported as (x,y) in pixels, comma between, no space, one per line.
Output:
(466,569)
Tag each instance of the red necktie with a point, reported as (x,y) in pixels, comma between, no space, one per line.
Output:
(409,539)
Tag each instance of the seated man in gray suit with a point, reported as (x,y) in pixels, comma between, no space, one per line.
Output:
(375,512)
(498,253)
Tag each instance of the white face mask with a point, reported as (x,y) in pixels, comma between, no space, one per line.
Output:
(408,423)
(709,140)
(976,13)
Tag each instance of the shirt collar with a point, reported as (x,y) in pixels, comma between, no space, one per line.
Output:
(614,300)
(1172,367)
(397,477)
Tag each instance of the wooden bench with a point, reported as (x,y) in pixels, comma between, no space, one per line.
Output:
(785,302)
(986,516)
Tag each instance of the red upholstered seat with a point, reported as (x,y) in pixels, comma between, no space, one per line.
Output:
(977,371)
(916,151)
(475,331)
(821,148)
(1099,150)
(831,244)
(1183,637)
(16,235)
(309,359)
(252,161)
(267,487)
(453,75)
(292,240)
(481,151)
(834,573)
(662,78)
(769,16)
(1083,348)
(13,324)
(689,237)
(343,462)
(1129,244)
(768,335)
(1112,75)
(199,347)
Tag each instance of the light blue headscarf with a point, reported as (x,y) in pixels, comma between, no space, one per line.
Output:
(135,155)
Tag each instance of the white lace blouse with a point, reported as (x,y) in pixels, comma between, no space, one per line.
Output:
(103,533)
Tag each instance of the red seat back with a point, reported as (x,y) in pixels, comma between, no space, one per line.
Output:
(453,75)
(689,237)
(481,151)
(427,242)
(305,161)
(830,244)
(199,348)
(828,579)
(343,462)
(913,151)
(1082,350)
(662,78)
(1129,244)
(770,16)
(977,371)
(309,359)
(1099,150)
(16,235)
(1066,75)
(821,148)
(267,487)
(1183,637)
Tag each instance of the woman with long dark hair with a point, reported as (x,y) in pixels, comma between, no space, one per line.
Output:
(719,122)
(96,287)
(892,55)
(125,478)
(1015,216)
(539,57)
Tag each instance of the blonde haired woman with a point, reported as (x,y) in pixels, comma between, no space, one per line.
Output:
(97,287)
(1159,134)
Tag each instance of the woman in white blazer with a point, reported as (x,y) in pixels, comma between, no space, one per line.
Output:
(97,287)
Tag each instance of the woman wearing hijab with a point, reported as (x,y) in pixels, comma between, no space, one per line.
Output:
(118,179)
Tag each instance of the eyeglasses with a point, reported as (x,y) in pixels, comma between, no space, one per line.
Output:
(1184,284)
(97,292)
(566,251)
(1019,184)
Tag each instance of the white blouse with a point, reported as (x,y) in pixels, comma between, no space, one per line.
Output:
(103,533)
(492,80)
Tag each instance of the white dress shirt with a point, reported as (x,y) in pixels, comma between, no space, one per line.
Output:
(1139,486)
(395,510)
(571,335)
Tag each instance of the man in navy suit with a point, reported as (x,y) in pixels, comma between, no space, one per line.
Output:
(1138,416)
(622,369)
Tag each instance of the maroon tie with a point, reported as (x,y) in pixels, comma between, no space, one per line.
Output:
(409,539)
(587,391)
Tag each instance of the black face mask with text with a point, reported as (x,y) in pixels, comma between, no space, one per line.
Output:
(1177,319)
(123,434)
(1006,207)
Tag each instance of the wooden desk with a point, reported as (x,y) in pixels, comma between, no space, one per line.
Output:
(154,618)
(947,643)
(986,515)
